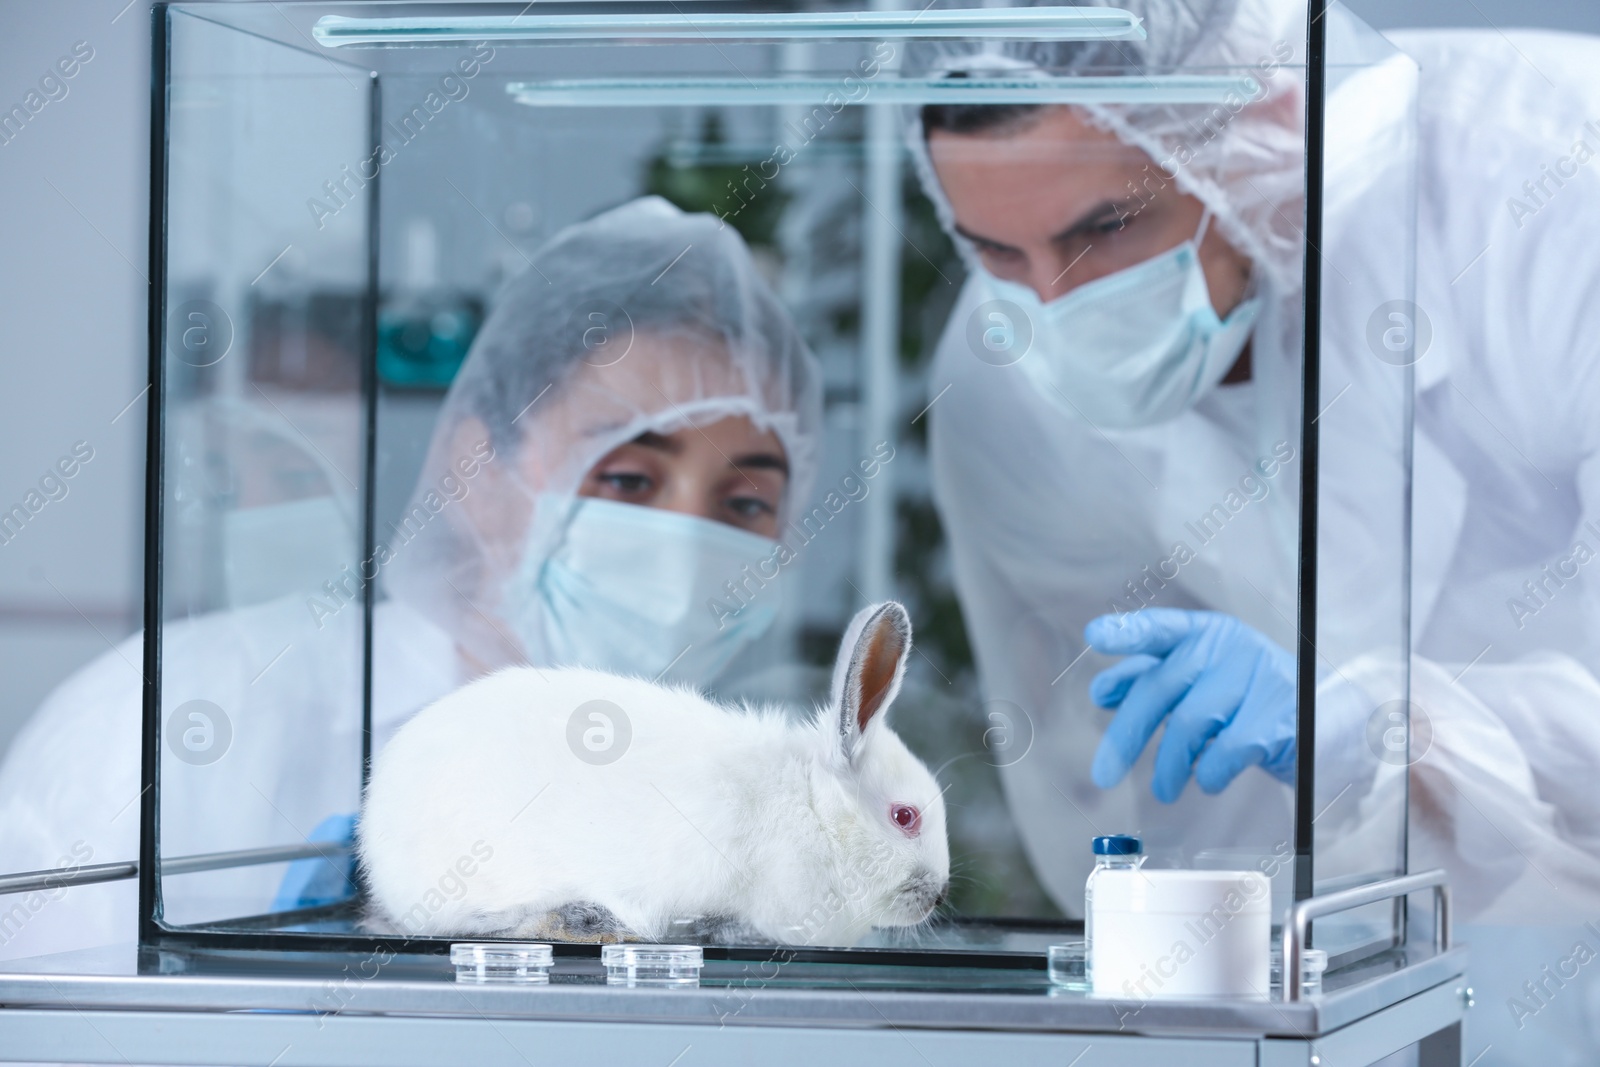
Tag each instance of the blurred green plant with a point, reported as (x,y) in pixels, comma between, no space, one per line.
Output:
(707,174)
(931,273)
(991,872)
(991,875)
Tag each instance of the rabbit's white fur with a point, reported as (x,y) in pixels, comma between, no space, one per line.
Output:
(481,819)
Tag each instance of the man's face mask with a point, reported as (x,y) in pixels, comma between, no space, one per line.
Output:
(1133,348)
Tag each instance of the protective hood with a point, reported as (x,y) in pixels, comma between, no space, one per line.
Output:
(1244,159)
(640,319)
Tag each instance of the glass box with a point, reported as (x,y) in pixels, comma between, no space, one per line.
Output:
(343,198)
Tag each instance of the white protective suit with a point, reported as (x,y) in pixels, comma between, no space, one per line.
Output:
(287,672)
(1507,492)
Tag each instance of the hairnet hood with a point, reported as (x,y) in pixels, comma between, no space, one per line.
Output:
(643,318)
(1244,159)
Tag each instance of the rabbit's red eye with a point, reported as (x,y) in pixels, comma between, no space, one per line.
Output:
(908,818)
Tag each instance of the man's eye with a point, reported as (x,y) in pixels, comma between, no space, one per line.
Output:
(626,482)
(1114,225)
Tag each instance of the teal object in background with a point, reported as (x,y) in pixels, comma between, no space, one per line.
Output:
(423,340)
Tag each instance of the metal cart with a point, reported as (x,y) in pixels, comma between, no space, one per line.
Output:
(279,1009)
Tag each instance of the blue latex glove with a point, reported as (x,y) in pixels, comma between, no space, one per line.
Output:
(312,882)
(1226,692)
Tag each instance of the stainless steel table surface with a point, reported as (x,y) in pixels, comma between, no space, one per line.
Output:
(792,1005)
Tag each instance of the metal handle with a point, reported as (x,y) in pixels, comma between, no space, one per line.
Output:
(31,881)
(1030,23)
(1301,914)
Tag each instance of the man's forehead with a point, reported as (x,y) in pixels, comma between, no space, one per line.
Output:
(988,150)
(1060,134)
(732,426)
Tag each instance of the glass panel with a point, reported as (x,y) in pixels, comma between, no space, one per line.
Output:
(1369,343)
(648,454)
(264,458)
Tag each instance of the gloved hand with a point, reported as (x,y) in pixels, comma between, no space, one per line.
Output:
(316,881)
(1213,679)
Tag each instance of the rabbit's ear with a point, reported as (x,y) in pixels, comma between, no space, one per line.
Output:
(872,662)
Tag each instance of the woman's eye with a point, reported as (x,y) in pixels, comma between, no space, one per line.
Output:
(626,482)
(750,507)
(907,818)
(1111,226)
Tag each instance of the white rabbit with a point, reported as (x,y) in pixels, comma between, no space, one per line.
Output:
(518,806)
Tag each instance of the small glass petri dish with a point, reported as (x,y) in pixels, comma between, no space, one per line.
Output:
(489,961)
(1313,962)
(652,965)
(1066,966)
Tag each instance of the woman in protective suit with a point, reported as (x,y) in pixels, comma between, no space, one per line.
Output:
(634,424)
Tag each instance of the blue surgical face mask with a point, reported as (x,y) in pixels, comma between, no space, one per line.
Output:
(1134,348)
(644,591)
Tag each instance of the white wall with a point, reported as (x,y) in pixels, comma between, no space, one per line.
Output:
(72,297)
(1582,15)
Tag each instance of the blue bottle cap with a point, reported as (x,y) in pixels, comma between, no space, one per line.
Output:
(1118,845)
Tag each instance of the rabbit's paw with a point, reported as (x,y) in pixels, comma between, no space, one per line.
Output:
(582,920)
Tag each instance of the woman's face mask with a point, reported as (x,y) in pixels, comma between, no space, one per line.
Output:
(1133,348)
(644,591)
(664,564)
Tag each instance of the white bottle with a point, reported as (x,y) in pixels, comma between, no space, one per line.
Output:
(1112,852)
